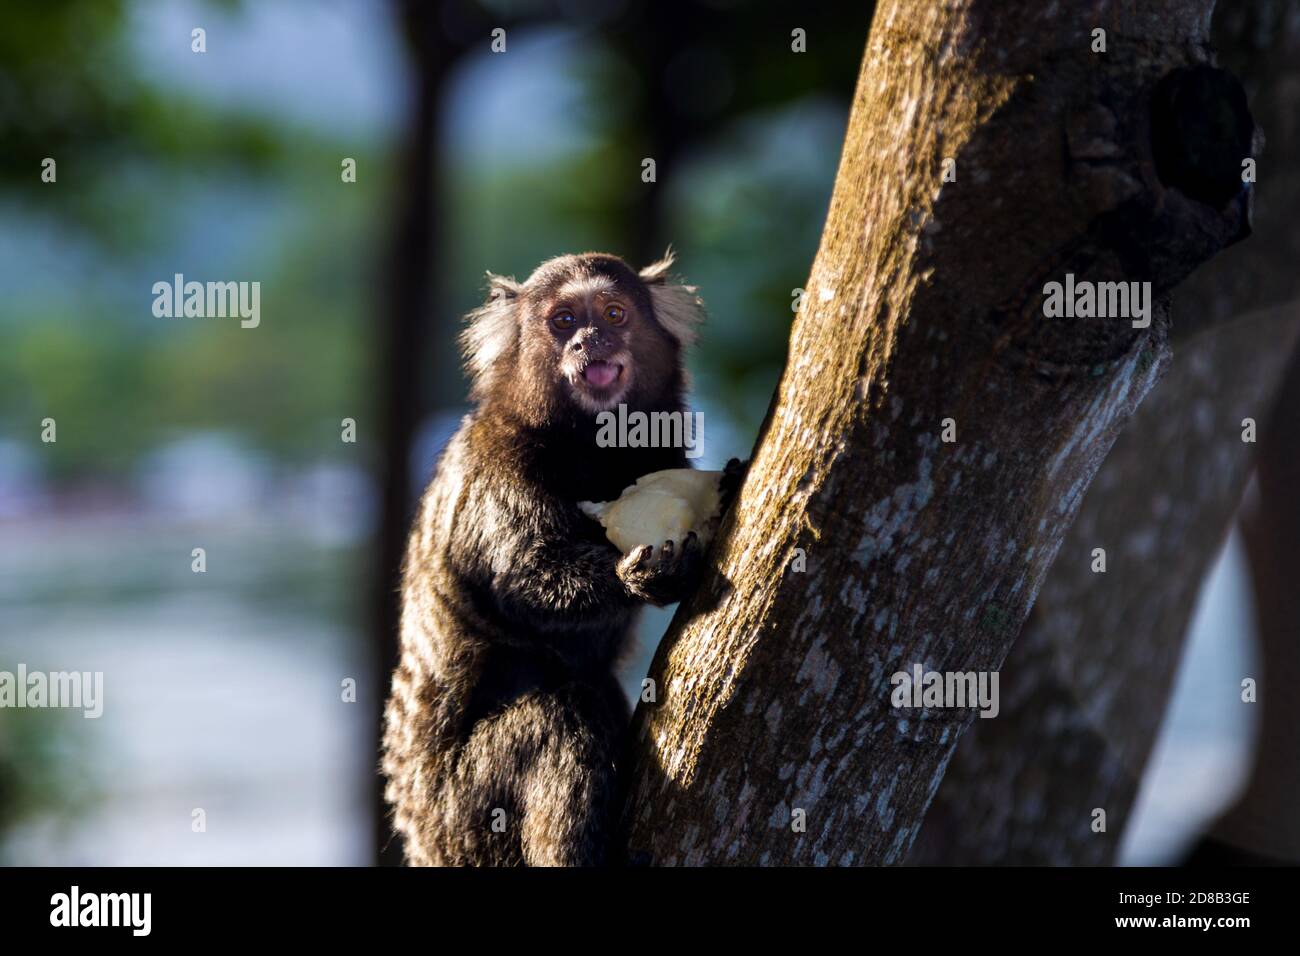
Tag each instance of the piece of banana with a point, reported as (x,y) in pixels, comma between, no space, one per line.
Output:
(661,506)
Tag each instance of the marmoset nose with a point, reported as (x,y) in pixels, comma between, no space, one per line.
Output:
(591,341)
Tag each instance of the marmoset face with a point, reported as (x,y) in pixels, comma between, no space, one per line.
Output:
(589,326)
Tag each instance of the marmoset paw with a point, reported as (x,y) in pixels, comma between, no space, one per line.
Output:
(663,575)
(733,476)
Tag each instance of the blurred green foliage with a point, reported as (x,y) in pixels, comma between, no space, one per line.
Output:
(45,767)
(153,181)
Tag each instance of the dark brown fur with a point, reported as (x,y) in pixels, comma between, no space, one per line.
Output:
(504,708)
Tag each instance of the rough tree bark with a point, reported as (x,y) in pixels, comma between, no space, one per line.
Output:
(1087,683)
(925,303)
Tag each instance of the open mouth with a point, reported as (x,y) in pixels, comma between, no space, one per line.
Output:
(602,374)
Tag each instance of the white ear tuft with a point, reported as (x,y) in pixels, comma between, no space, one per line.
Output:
(658,271)
(679,310)
(493,328)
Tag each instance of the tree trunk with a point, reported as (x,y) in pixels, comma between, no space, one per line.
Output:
(660,32)
(774,739)
(1088,682)
(406,294)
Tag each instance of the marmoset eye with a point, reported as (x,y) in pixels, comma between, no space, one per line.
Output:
(562,321)
(615,314)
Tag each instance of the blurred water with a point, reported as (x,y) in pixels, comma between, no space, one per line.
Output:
(222,691)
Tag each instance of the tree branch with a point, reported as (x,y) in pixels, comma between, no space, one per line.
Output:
(1075,734)
(1087,684)
(924,303)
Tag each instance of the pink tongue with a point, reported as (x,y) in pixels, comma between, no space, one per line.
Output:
(600,374)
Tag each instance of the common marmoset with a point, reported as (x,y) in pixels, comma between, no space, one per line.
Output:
(504,723)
